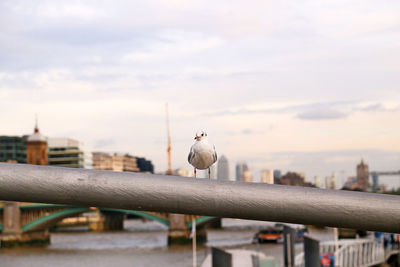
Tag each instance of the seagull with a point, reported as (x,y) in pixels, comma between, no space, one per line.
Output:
(202,154)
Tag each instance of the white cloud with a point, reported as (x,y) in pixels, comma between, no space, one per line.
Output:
(324,113)
(173,44)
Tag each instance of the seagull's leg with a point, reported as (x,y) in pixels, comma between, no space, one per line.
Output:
(194,172)
(209,173)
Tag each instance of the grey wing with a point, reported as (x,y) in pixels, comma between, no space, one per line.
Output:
(215,155)
(191,156)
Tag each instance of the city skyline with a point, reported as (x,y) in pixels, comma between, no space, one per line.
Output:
(257,177)
(280,85)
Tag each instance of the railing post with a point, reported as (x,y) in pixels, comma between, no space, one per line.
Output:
(220,258)
(311,252)
(288,243)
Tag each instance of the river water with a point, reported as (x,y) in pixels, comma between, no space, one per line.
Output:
(142,243)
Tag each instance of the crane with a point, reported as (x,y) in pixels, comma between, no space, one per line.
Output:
(169,171)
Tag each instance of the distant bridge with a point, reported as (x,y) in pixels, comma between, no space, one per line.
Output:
(163,218)
(40,216)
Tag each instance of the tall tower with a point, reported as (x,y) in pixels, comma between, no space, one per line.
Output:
(317,181)
(241,167)
(330,182)
(362,176)
(36,148)
(223,169)
(277,176)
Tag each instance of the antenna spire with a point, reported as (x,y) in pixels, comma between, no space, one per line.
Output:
(169,171)
(36,124)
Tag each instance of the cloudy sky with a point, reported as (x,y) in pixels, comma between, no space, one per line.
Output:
(305,86)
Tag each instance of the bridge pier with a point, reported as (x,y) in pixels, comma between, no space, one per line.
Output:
(108,221)
(214,224)
(12,236)
(179,234)
(12,218)
(30,239)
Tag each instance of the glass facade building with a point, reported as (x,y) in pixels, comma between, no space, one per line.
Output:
(13,149)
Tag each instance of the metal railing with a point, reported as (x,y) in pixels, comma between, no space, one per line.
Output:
(162,193)
(350,253)
(360,253)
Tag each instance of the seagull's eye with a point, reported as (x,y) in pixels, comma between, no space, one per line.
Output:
(202,134)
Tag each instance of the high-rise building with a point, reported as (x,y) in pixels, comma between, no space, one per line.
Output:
(116,162)
(67,152)
(277,176)
(330,182)
(317,181)
(223,169)
(267,176)
(362,176)
(241,167)
(213,172)
(13,149)
(36,148)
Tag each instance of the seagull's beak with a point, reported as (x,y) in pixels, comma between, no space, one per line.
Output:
(197,137)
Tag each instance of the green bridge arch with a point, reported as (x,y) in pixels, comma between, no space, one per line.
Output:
(68,211)
(142,214)
(199,221)
(55,216)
